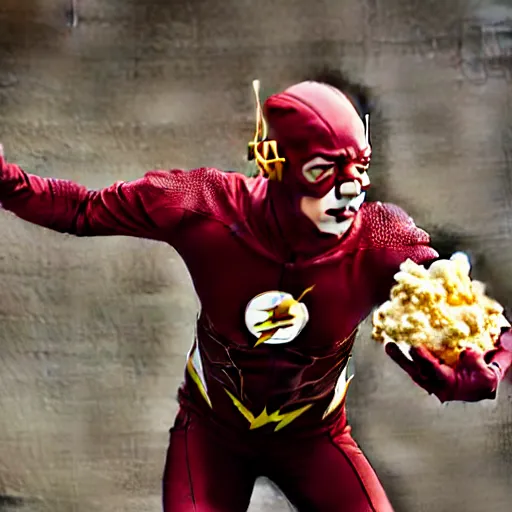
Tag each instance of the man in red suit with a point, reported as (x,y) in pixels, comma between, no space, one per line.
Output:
(286,266)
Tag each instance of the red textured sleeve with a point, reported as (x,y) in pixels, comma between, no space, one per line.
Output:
(150,207)
(392,238)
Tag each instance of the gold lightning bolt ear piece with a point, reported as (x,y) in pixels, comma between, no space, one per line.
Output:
(264,151)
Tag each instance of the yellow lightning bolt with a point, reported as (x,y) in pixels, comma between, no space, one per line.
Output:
(195,377)
(279,317)
(264,418)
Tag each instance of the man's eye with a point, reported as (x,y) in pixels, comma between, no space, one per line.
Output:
(365,162)
(318,173)
(362,168)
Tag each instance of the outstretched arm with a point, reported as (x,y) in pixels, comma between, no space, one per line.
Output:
(151,207)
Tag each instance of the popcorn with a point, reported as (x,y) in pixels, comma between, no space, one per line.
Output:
(440,308)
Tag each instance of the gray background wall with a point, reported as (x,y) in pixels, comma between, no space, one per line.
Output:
(93,333)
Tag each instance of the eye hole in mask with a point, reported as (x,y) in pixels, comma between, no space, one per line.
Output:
(318,172)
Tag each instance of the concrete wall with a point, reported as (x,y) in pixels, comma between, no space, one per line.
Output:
(93,333)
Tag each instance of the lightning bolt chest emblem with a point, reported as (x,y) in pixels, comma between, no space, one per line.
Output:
(276,317)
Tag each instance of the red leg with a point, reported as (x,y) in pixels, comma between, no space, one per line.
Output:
(329,473)
(202,474)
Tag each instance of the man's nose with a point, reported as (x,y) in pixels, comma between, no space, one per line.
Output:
(355,172)
(365,180)
(350,188)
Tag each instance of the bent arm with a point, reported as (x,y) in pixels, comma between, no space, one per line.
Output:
(150,207)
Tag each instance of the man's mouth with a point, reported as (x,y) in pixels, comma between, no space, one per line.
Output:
(341,214)
(348,205)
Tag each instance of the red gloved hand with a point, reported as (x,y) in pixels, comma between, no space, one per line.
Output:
(501,358)
(471,380)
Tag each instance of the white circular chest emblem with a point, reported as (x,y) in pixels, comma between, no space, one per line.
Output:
(276,317)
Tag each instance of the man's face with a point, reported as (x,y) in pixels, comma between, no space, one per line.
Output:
(334,212)
(327,150)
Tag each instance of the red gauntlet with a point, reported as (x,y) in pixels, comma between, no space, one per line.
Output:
(475,377)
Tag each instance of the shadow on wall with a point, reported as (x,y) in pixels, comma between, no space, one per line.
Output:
(16,36)
(30,27)
(9,503)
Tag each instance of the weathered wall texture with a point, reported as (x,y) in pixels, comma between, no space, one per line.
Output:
(93,333)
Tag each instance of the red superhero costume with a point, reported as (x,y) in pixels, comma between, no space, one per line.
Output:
(281,301)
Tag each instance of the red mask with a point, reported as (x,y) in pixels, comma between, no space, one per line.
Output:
(312,119)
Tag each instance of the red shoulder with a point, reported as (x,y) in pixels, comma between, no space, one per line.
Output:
(204,183)
(387,226)
(207,191)
(390,237)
